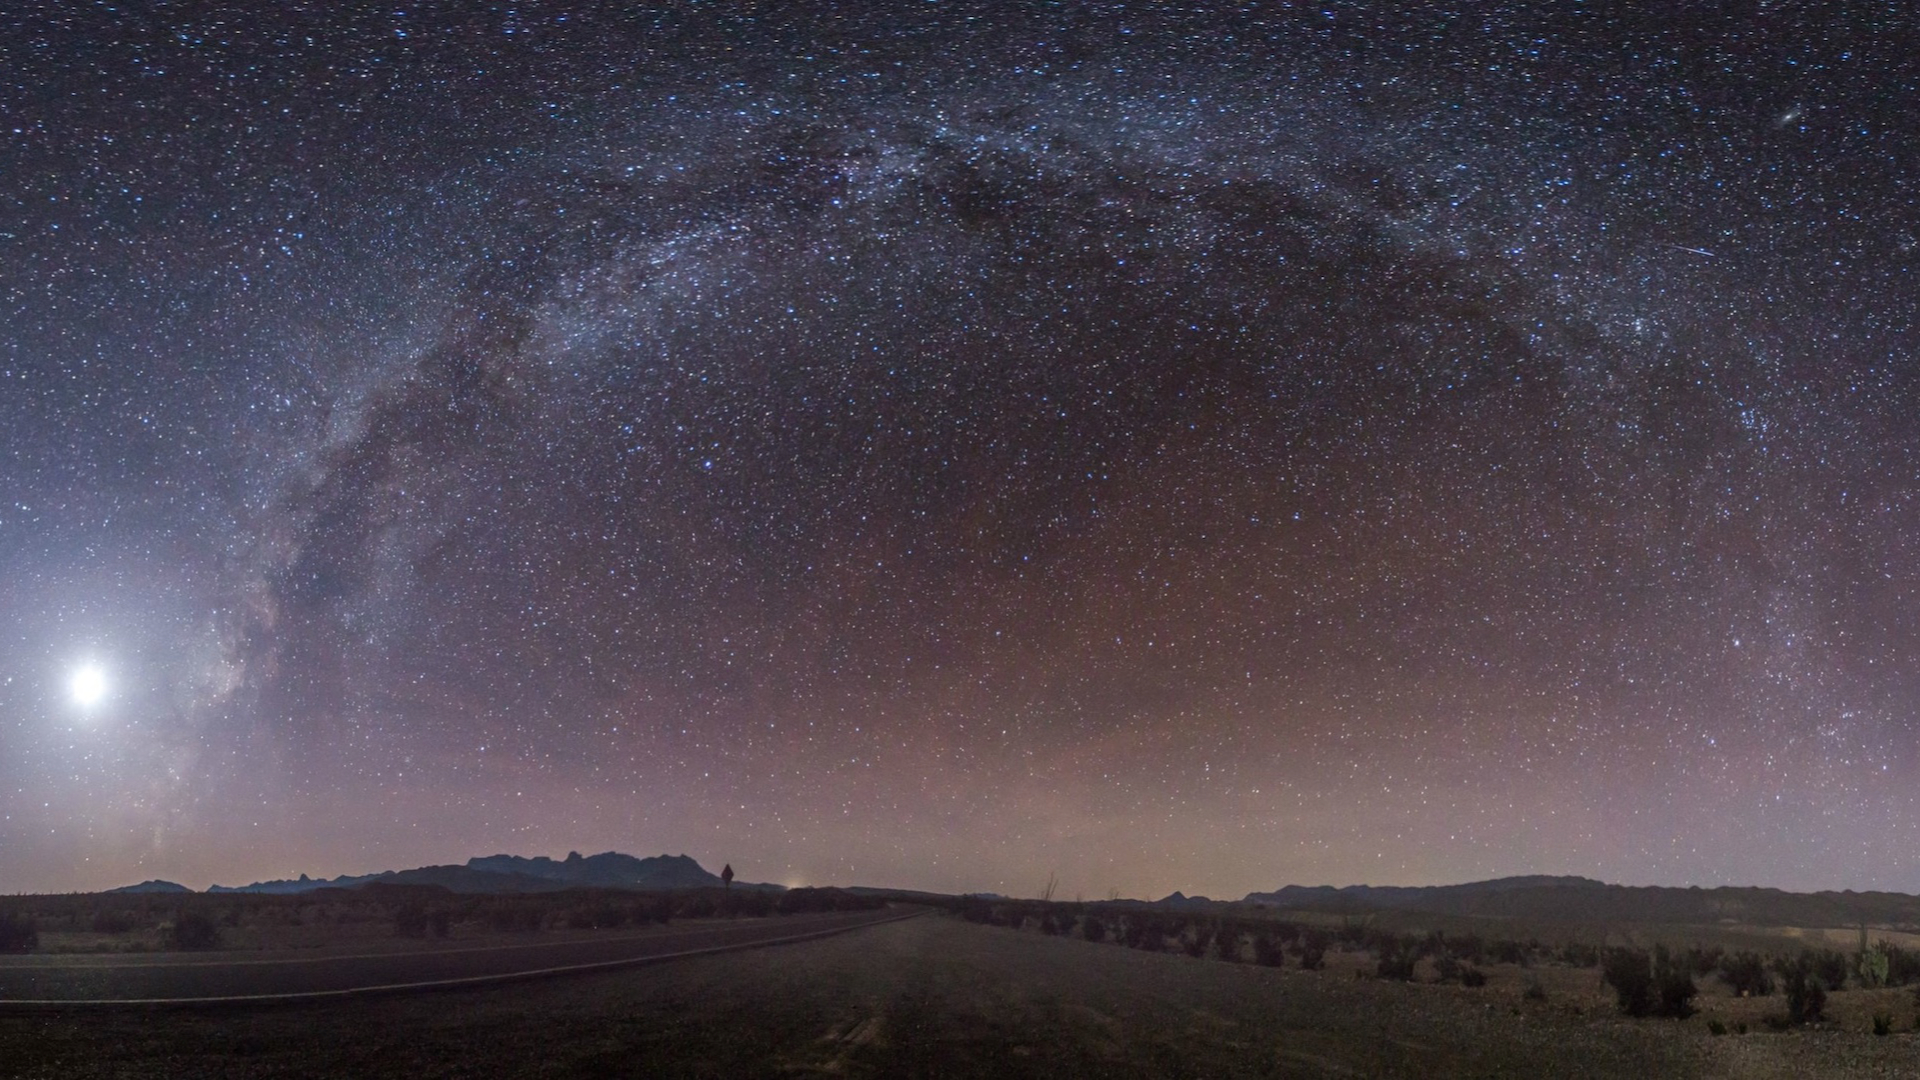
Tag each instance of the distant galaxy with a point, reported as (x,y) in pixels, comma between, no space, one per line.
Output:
(946,445)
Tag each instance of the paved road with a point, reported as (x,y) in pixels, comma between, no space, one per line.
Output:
(37,981)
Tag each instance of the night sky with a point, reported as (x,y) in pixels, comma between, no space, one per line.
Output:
(945,445)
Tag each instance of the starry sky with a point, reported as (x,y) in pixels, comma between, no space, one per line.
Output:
(944,445)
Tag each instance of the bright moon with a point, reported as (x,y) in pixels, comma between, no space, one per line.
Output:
(88,685)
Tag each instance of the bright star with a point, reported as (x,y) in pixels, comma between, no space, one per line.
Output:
(87,685)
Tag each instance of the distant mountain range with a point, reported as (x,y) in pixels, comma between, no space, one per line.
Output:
(1579,899)
(510,874)
(154,886)
(1536,897)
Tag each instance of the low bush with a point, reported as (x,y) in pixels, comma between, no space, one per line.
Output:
(1313,949)
(1704,962)
(1883,1023)
(1580,954)
(1396,963)
(1830,966)
(18,934)
(1093,927)
(1745,973)
(1630,973)
(1903,965)
(1806,990)
(1473,978)
(1673,985)
(110,921)
(410,920)
(1510,952)
(194,931)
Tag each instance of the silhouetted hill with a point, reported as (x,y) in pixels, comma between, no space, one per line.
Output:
(609,869)
(1578,899)
(458,879)
(154,886)
(517,874)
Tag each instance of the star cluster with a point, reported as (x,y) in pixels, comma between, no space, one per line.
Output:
(944,445)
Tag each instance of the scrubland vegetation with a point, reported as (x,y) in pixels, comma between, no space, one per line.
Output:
(146,922)
(1775,989)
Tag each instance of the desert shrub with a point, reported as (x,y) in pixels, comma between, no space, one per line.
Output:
(826,898)
(1473,977)
(193,930)
(1396,962)
(699,907)
(1154,937)
(110,921)
(1883,1023)
(410,920)
(1903,965)
(1806,990)
(1386,941)
(1630,973)
(1509,952)
(1673,985)
(1267,951)
(1704,962)
(508,916)
(1716,1027)
(1831,965)
(18,933)
(1467,947)
(1313,950)
(1535,991)
(1447,968)
(1144,933)
(1196,942)
(1872,966)
(1093,927)
(1580,954)
(1745,973)
(972,908)
(601,915)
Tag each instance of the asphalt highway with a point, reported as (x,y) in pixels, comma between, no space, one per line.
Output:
(40,981)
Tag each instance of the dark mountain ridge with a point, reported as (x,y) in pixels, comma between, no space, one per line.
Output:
(519,874)
(154,886)
(1579,899)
